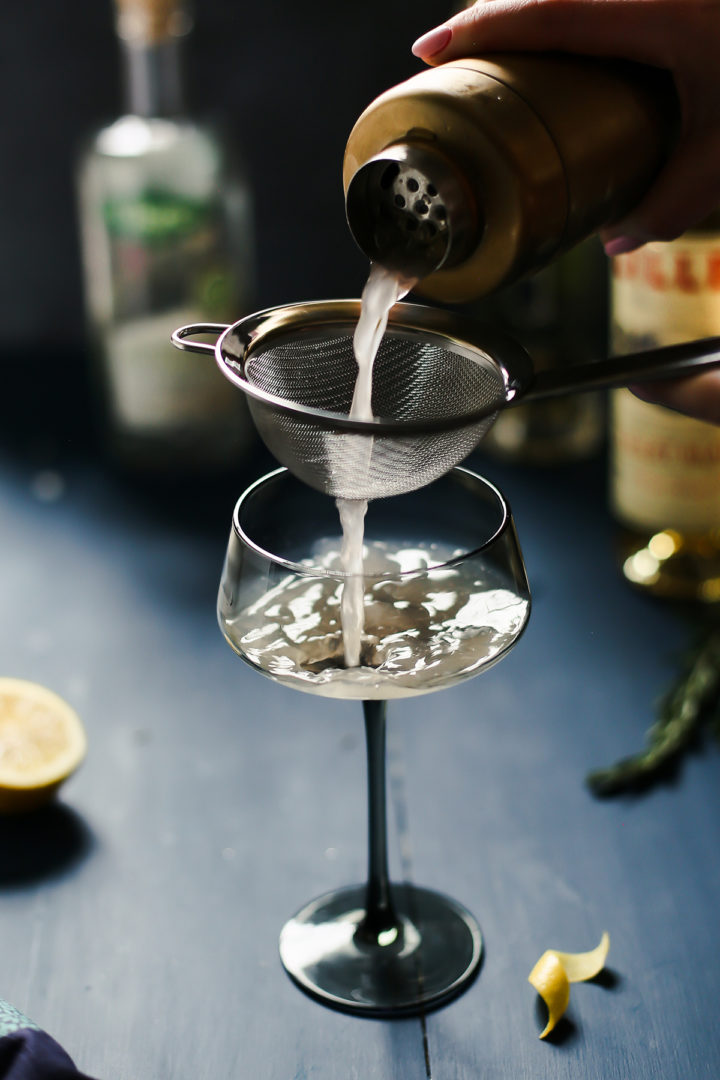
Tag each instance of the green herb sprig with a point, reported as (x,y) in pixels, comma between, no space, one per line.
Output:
(691,703)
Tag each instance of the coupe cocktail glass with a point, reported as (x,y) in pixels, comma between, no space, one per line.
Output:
(445,596)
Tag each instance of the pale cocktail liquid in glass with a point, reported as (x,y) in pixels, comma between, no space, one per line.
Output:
(420,631)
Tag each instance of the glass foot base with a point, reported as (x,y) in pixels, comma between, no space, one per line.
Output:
(433,955)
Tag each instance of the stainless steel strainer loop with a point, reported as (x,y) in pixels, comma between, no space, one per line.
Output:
(438,383)
(435,392)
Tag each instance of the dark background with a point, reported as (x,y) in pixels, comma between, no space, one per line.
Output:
(288,79)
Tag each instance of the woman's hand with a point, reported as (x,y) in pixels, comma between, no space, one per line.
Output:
(682,36)
(696,395)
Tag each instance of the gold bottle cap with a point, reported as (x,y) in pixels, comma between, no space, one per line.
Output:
(151,21)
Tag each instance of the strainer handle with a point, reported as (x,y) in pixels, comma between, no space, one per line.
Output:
(666,362)
(179,337)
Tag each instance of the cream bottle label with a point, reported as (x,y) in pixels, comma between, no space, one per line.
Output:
(666,467)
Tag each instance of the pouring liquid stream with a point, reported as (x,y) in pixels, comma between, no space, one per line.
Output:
(383,289)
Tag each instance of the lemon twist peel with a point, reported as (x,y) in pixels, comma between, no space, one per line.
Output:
(554,971)
(42,742)
(548,977)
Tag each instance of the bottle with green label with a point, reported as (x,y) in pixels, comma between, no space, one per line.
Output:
(167,237)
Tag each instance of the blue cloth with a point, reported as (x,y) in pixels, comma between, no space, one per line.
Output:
(27,1053)
(30,1054)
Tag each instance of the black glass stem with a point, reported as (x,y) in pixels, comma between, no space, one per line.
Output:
(380,916)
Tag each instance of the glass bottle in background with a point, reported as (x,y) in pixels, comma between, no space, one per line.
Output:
(167,238)
(560,316)
(665,468)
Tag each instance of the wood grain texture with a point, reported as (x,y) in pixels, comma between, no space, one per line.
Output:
(139,918)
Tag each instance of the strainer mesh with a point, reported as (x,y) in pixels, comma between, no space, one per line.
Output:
(413,380)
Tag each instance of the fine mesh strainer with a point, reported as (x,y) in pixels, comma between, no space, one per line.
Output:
(438,383)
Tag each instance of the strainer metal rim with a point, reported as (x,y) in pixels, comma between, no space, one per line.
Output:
(314,571)
(437,326)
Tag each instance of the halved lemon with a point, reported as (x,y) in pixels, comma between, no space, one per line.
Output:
(42,742)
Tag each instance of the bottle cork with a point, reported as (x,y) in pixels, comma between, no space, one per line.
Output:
(151,21)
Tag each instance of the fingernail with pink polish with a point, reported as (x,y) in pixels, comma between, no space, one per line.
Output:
(432,43)
(620,245)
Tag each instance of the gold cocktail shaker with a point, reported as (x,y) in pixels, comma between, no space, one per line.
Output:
(473,173)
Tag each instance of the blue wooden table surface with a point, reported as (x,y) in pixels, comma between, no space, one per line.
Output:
(139,918)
